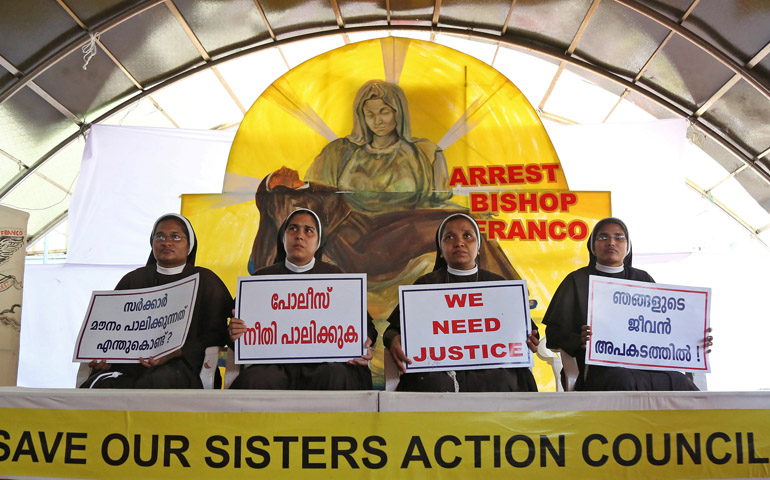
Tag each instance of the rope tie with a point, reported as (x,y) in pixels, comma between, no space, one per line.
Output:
(89,49)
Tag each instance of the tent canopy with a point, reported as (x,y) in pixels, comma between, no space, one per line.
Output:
(704,60)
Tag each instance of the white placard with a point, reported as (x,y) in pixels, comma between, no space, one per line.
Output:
(465,326)
(301,318)
(122,326)
(648,326)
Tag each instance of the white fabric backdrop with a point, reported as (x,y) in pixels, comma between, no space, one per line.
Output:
(55,302)
(129,177)
(636,162)
(122,190)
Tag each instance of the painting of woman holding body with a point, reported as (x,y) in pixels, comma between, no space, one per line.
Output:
(376,187)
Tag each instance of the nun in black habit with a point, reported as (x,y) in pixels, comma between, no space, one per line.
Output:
(172,258)
(299,250)
(610,255)
(457,260)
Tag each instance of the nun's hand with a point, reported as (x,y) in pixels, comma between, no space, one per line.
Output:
(708,342)
(364,359)
(398,354)
(154,362)
(99,365)
(236,328)
(585,336)
(284,176)
(533,341)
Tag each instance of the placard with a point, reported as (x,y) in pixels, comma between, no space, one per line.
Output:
(465,326)
(122,326)
(301,318)
(648,326)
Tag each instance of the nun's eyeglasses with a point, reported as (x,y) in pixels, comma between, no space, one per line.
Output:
(618,238)
(175,237)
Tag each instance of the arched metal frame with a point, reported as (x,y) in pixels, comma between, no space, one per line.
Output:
(561,57)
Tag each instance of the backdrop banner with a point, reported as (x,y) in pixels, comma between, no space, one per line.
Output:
(13,245)
(230,435)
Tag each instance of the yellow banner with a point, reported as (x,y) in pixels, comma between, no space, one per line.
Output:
(663,444)
(383,139)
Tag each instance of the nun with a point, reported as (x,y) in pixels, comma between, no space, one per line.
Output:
(299,252)
(172,258)
(609,250)
(457,261)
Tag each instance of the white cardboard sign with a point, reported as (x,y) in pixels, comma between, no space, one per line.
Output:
(122,326)
(465,326)
(648,326)
(301,318)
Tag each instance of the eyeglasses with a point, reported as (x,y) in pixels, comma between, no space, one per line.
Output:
(604,237)
(175,237)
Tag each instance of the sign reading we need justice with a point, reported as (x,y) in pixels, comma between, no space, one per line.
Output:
(465,326)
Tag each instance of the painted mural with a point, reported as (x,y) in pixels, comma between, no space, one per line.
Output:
(384,139)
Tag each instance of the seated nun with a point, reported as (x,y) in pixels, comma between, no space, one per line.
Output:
(172,258)
(457,261)
(609,251)
(299,252)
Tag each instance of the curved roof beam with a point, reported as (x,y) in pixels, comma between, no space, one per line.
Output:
(525,44)
(76,44)
(717,54)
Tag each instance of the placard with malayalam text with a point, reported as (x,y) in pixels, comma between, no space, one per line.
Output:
(122,326)
(301,318)
(649,326)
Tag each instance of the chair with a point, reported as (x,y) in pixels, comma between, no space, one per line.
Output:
(570,369)
(699,379)
(553,360)
(391,372)
(209,368)
(231,369)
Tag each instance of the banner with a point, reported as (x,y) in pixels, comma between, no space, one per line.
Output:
(384,139)
(122,326)
(465,326)
(13,246)
(646,325)
(301,318)
(600,439)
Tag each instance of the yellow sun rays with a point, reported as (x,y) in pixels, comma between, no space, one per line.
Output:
(473,112)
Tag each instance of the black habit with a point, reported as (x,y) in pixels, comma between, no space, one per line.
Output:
(568,312)
(208,327)
(306,376)
(482,380)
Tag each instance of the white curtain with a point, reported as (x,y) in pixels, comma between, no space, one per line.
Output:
(129,177)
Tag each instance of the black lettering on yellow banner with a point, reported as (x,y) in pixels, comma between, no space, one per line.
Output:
(315,452)
(628,449)
(145,450)
(43,447)
(531,445)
